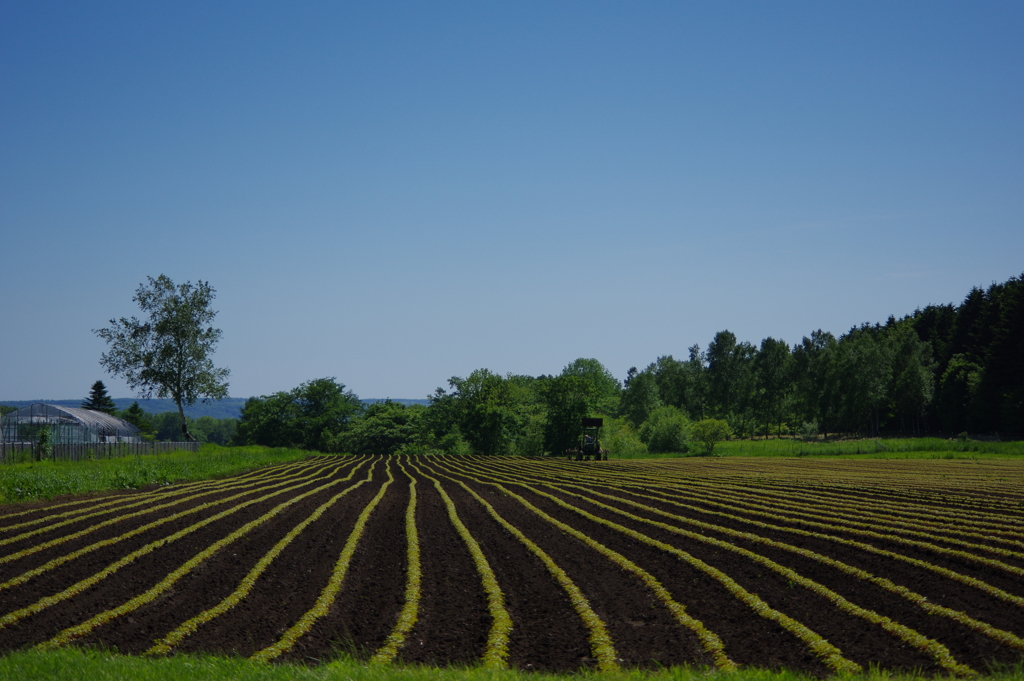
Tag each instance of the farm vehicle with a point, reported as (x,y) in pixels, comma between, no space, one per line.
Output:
(589,448)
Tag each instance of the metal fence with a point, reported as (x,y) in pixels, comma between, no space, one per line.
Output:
(22,452)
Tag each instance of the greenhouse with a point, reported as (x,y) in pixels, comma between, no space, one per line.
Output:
(67,425)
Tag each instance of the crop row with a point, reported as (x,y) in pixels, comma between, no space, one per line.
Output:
(836,538)
(762,477)
(657,529)
(1000,491)
(815,496)
(88,582)
(939,652)
(840,513)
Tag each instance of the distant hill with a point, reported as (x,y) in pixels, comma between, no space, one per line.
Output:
(228,408)
(405,402)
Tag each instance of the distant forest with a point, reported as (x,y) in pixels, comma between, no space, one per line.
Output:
(944,368)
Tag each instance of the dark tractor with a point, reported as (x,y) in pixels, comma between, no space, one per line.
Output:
(590,445)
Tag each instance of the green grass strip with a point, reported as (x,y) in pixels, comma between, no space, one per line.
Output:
(131,501)
(80,586)
(496,650)
(165,644)
(410,611)
(328,594)
(74,663)
(48,479)
(600,642)
(71,633)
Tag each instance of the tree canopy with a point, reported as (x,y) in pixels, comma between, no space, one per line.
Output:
(312,416)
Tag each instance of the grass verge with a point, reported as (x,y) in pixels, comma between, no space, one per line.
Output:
(49,479)
(901,448)
(72,664)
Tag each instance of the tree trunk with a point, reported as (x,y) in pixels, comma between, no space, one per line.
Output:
(184,424)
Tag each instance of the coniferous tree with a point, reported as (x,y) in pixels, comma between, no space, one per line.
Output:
(136,416)
(99,400)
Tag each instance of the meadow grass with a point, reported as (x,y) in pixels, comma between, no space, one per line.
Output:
(71,664)
(48,479)
(902,448)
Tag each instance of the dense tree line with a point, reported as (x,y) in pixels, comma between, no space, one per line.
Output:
(945,368)
(979,351)
(483,413)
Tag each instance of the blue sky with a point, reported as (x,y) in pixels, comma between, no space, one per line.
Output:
(396,193)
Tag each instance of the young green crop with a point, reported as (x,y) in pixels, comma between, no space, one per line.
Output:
(600,642)
(407,617)
(78,630)
(192,625)
(328,594)
(710,641)
(77,588)
(496,648)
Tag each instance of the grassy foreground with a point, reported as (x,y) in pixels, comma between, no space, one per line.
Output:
(71,664)
(48,479)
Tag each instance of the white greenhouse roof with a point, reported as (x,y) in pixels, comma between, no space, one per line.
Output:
(98,421)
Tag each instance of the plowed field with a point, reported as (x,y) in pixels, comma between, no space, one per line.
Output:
(817,566)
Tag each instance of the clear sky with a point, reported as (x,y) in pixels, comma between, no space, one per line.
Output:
(396,193)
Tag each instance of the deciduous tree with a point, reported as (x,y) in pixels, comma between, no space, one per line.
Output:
(773,381)
(168,352)
(311,416)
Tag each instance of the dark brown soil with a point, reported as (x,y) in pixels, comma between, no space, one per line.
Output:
(453,620)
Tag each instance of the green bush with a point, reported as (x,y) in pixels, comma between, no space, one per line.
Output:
(44,445)
(621,441)
(708,433)
(666,430)
(809,431)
